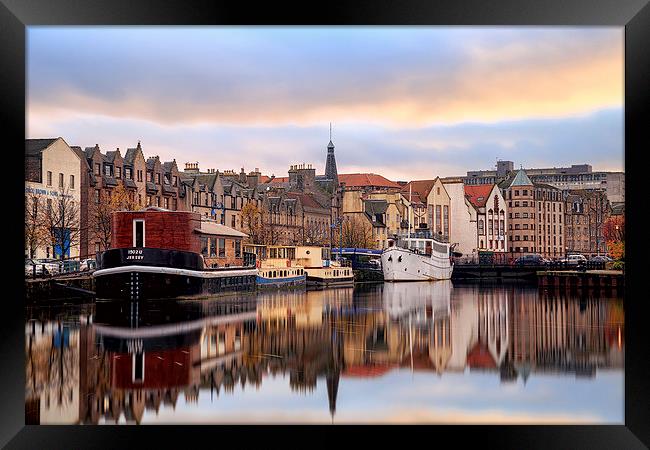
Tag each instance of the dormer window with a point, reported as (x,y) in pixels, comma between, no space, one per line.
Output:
(166,178)
(157,178)
(98,169)
(119,172)
(108,170)
(127,173)
(175,178)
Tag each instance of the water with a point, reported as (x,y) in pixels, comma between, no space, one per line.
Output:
(385,353)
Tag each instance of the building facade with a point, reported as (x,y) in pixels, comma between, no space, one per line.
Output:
(535,213)
(585,215)
(52,186)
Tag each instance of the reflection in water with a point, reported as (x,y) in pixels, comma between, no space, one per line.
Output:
(115,361)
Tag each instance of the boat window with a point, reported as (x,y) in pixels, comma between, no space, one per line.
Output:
(222,248)
(138,233)
(213,247)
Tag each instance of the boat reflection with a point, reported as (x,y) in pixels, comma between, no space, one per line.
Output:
(121,360)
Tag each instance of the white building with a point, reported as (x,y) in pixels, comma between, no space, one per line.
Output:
(463,219)
(492,216)
(52,168)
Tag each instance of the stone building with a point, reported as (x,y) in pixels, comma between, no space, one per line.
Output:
(360,210)
(464,229)
(585,214)
(535,213)
(53,169)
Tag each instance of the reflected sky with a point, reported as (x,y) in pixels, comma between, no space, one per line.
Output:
(392,353)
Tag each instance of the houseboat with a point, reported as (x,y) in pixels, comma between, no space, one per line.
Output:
(276,266)
(321,270)
(157,253)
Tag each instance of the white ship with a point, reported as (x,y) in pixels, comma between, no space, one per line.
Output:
(417,257)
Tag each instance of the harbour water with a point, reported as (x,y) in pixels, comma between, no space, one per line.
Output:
(425,352)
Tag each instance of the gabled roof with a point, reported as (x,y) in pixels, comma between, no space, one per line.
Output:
(277,180)
(169,165)
(110,155)
(419,187)
(478,194)
(33,147)
(366,180)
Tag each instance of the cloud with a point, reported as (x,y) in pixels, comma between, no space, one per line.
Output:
(280,76)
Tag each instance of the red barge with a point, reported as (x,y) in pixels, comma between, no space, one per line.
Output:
(156,253)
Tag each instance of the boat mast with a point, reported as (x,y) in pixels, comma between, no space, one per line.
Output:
(409,212)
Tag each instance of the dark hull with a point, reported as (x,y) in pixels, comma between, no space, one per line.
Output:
(144,285)
(322,281)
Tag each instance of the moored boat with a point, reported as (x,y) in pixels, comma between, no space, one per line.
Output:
(276,268)
(157,253)
(321,270)
(417,259)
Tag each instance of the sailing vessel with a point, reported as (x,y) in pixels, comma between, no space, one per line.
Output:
(420,257)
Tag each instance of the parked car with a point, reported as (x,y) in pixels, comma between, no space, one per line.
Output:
(601,258)
(30,264)
(87,264)
(531,260)
(575,260)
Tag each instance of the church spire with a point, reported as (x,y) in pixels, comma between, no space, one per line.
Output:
(330,166)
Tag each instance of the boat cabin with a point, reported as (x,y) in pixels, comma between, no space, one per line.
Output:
(184,231)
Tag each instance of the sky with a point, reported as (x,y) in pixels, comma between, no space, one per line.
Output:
(404,102)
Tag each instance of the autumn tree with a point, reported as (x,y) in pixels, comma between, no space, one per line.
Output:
(614,233)
(60,222)
(251,218)
(101,213)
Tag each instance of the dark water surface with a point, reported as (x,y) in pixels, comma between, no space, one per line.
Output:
(385,353)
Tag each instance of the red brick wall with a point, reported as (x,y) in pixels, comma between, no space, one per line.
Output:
(230,258)
(172,230)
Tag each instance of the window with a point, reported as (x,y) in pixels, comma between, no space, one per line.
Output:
(60,180)
(438,218)
(446,219)
(438,191)
(157,178)
(480,227)
(140,175)
(118,172)
(107,170)
(148,200)
(516,193)
(233,221)
(516,204)
(204,246)
(97,193)
(525,193)
(516,215)
(166,202)
(127,173)
(175,178)
(222,248)
(174,204)
(138,233)
(98,169)
(237,249)
(71,181)
(140,199)
(213,247)
(158,202)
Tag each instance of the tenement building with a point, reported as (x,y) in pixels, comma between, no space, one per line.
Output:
(145,183)
(535,213)
(585,215)
(52,198)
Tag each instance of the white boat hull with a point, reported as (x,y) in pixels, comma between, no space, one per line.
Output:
(399,264)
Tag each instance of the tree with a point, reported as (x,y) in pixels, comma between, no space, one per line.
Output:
(251,217)
(35,234)
(101,214)
(315,232)
(60,221)
(614,233)
(357,233)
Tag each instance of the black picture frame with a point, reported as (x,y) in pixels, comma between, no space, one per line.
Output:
(634,15)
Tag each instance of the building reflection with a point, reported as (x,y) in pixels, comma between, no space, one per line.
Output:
(122,360)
